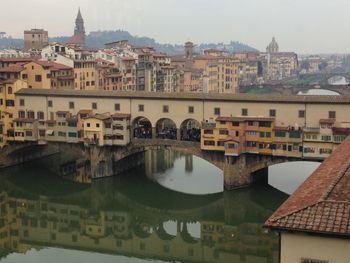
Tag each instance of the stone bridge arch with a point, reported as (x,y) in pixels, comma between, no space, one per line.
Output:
(238,171)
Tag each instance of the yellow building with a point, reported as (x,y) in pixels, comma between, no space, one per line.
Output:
(85,74)
(8,107)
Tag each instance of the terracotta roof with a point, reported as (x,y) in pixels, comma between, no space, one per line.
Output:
(121,115)
(85,111)
(15,68)
(188,96)
(99,117)
(322,203)
(50,64)
(128,58)
(15,60)
(328,121)
(78,39)
(279,128)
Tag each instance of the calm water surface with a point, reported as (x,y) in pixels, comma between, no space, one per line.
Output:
(172,208)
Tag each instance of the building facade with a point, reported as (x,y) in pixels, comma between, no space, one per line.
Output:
(35,39)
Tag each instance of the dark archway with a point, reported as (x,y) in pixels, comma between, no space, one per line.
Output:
(190,130)
(166,129)
(142,128)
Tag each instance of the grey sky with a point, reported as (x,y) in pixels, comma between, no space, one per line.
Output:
(304,26)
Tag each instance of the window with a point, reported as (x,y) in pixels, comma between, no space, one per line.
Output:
(118,243)
(262,134)
(72,134)
(9,90)
(141,107)
(244,112)
(190,109)
(117,107)
(50,103)
(142,246)
(208,132)
(30,115)
(326,138)
(294,134)
(166,248)
(272,113)
(223,132)
(221,143)
(165,108)
(38,78)
(331,114)
(235,123)
(268,134)
(29,133)
(209,143)
(40,115)
(21,114)
(94,106)
(62,134)
(280,134)
(71,104)
(21,102)
(266,124)
(217,111)
(97,125)
(88,124)
(42,133)
(301,114)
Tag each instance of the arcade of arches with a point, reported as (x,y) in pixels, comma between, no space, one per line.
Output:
(166,128)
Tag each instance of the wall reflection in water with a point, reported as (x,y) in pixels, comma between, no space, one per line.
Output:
(133,216)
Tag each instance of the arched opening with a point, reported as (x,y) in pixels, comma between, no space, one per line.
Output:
(288,176)
(166,129)
(142,128)
(190,130)
(338,80)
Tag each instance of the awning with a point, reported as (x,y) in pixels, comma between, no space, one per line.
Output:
(49,132)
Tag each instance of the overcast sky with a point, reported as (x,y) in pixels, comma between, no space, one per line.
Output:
(304,26)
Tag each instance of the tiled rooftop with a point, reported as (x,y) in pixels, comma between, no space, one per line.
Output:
(322,203)
(186,96)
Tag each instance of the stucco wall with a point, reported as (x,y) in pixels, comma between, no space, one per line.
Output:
(294,247)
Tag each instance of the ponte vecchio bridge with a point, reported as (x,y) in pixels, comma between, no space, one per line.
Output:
(46,114)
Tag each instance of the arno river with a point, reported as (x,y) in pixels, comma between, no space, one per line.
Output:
(171,208)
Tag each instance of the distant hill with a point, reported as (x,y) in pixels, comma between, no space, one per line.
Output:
(9,42)
(97,39)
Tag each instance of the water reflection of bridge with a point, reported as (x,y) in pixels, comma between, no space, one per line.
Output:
(108,218)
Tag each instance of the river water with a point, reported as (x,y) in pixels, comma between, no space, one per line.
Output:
(171,208)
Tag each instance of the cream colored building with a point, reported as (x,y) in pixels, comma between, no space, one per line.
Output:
(297,111)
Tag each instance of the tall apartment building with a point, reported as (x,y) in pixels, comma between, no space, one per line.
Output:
(35,39)
(214,71)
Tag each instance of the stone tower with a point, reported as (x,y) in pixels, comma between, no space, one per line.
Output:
(272,47)
(79,29)
(189,50)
